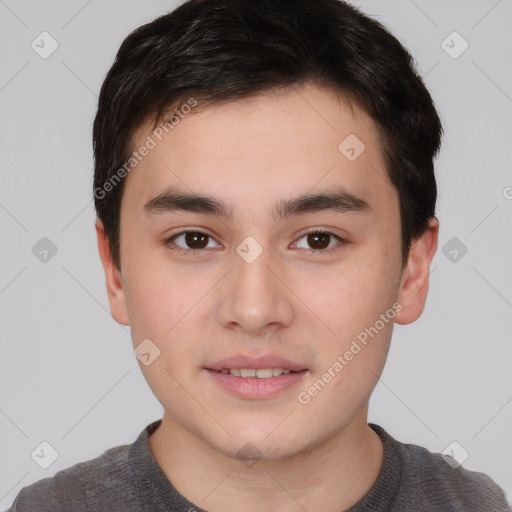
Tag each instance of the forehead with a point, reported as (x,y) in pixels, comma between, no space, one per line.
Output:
(286,142)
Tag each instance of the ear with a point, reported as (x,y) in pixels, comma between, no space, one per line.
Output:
(115,290)
(415,277)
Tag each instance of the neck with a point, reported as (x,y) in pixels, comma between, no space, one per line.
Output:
(332,476)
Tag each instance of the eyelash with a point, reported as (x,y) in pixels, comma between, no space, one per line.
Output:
(196,252)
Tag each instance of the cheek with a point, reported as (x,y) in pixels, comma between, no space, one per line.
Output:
(154,302)
(348,297)
(171,308)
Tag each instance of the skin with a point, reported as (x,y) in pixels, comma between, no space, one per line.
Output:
(291,301)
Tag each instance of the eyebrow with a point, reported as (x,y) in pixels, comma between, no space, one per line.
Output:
(337,200)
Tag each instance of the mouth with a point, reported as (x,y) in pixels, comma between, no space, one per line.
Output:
(256,379)
(259,373)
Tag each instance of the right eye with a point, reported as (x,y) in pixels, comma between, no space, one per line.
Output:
(194,242)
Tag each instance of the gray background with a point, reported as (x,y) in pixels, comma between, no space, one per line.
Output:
(68,374)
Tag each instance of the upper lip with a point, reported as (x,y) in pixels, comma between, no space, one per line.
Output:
(243,361)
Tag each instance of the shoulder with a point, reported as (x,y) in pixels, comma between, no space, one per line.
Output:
(78,487)
(431,478)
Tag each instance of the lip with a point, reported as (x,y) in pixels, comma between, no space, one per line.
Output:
(243,361)
(254,388)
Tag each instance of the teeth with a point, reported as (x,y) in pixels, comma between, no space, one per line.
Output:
(260,373)
(264,373)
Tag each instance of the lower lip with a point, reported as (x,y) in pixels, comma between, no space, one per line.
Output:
(255,388)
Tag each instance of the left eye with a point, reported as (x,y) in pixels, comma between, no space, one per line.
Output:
(320,241)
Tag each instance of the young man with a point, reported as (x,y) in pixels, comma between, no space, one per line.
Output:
(266,211)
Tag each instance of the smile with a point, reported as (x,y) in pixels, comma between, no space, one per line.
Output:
(260,373)
(256,383)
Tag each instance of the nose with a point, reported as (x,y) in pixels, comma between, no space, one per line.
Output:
(254,297)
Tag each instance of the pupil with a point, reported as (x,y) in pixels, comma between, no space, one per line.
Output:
(192,240)
(313,238)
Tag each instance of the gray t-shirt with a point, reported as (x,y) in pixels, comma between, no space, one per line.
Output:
(128,479)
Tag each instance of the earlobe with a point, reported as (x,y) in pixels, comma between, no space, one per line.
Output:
(115,290)
(415,278)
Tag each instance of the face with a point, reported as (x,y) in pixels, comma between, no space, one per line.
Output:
(266,282)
